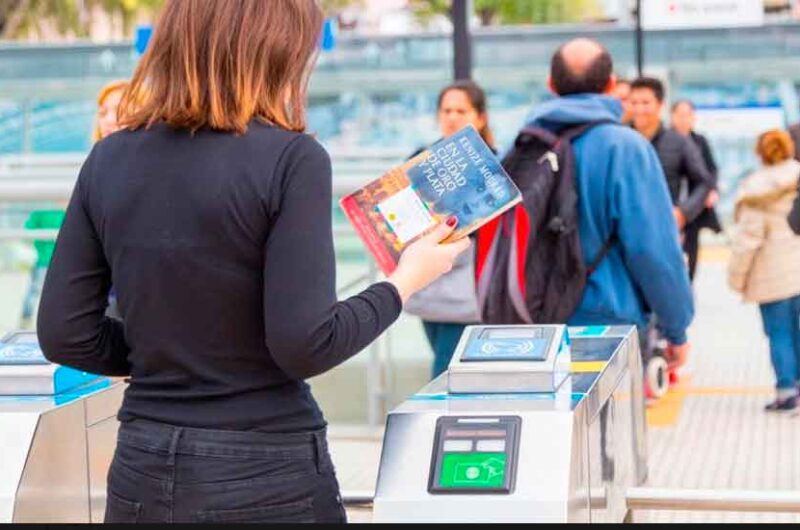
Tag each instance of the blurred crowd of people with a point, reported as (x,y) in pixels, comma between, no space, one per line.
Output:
(651,186)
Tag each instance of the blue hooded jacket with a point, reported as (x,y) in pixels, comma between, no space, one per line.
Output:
(622,190)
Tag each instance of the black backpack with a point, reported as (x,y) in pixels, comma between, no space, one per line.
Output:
(530,267)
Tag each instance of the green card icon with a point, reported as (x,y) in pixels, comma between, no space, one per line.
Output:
(473,470)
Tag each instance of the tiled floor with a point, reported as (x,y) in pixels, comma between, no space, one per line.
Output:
(710,433)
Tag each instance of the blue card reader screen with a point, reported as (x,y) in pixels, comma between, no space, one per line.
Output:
(509,344)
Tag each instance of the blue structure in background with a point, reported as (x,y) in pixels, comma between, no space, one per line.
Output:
(329,34)
(143,34)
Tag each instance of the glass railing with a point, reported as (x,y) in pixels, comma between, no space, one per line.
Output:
(512,46)
(379,94)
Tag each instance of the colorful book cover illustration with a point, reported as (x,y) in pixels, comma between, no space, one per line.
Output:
(458,175)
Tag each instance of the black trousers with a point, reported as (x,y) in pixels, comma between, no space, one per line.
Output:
(165,474)
(691,246)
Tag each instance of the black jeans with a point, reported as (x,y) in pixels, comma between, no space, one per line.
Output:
(164,474)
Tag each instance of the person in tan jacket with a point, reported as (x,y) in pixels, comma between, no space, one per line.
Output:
(766,253)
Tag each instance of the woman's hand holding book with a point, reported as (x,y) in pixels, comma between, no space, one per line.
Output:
(427,259)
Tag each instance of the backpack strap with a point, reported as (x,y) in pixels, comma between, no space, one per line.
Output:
(568,135)
(536,133)
(486,257)
(604,251)
(572,132)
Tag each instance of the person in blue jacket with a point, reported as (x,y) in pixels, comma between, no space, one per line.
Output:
(623,198)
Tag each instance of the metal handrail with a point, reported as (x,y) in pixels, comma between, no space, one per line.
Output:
(24,234)
(21,234)
(696,500)
(77,158)
(364,278)
(776,501)
(358,497)
(40,190)
(35,190)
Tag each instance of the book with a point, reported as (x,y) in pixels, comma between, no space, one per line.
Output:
(457,176)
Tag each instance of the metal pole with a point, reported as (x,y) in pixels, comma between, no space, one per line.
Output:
(374,387)
(639,39)
(713,500)
(462,40)
(358,497)
(27,126)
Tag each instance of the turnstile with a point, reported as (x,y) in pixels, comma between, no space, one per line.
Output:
(58,433)
(529,424)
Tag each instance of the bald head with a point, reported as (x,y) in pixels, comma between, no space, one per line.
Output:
(581,66)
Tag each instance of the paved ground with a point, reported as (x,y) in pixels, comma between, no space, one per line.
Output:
(710,432)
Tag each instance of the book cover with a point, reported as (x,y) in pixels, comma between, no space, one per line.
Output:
(458,175)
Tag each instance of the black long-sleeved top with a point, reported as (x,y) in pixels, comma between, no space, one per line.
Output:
(708,217)
(794,132)
(220,250)
(684,169)
(794,215)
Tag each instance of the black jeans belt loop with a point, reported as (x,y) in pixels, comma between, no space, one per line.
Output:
(319,452)
(173,446)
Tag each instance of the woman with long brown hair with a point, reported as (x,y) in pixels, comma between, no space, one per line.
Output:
(211,214)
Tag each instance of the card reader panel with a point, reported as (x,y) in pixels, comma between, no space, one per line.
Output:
(475,455)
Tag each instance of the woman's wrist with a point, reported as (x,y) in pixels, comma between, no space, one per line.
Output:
(402,284)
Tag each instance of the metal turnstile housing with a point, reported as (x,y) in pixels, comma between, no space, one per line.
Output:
(580,447)
(58,432)
(56,455)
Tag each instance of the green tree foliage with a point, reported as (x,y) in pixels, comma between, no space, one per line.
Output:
(516,11)
(426,9)
(334,7)
(128,10)
(19,18)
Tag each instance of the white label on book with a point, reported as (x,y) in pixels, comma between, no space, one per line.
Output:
(406,214)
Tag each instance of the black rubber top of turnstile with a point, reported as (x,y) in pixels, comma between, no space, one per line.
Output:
(594,348)
(582,383)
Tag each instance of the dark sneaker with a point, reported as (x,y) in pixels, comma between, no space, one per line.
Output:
(782,405)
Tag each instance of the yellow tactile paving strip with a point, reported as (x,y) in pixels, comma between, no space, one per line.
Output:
(666,411)
(716,254)
(587,367)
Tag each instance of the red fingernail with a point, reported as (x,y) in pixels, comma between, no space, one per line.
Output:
(452,221)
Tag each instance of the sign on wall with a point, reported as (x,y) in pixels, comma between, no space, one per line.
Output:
(676,14)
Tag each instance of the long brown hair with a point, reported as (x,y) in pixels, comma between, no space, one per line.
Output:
(222,63)
(477,98)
